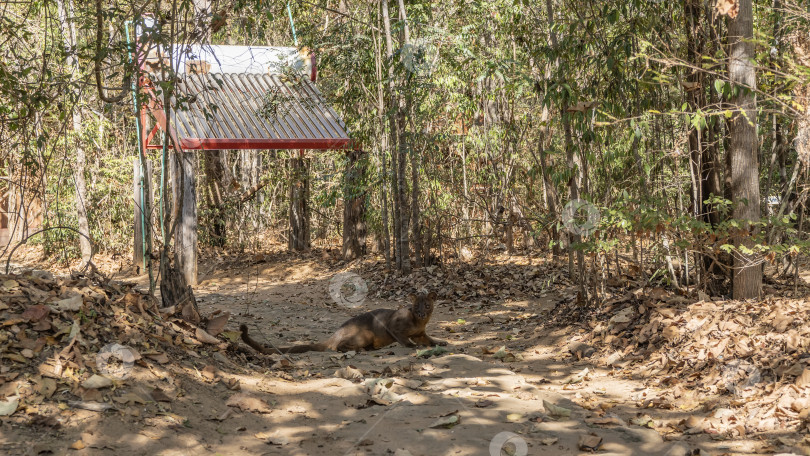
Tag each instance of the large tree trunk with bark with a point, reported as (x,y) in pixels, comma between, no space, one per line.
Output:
(184,193)
(747,276)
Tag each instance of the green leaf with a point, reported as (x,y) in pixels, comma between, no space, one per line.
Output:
(719,85)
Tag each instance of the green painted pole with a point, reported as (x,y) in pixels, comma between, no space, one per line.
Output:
(292,24)
(162,183)
(140,147)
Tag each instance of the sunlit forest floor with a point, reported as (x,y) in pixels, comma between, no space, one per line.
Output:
(528,369)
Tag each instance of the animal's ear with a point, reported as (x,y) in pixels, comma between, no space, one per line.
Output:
(432,296)
(413,298)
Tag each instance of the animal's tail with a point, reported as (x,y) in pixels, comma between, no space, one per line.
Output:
(304,348)
(269,351)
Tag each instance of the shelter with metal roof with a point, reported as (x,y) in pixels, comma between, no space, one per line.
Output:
(244,97)
(235,97)
(254,111)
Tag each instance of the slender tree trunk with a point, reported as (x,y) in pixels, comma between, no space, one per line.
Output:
(299,239)
(552,191)
(81,192)
(573,194)
(466,207)
(747,278)
(383,149)
(703,150)
(68,29)
(354,205)
(551,196)
(394,135)
(216,172)
(416,159)
(404,218)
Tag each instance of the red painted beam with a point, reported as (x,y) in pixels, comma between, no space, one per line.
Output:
(259,143)
(152,135)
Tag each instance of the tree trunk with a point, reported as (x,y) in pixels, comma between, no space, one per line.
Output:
(551,191)
(747,278)
(299,238)
(354,205)
(81,193)
(69,36)
(404,218)
(703,150)
(394,126)
(415,222)
(573,194)
(184,192)
(383,149)
(216,179)
(142,193)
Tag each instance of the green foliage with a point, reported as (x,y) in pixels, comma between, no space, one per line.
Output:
(605,95)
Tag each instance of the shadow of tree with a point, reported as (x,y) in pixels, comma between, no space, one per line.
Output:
(312,412)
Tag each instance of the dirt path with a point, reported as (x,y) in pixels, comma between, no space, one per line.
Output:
(529,398)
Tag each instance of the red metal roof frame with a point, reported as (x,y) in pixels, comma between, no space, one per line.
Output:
(155,107)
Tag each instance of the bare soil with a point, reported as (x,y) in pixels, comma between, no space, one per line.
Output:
(509,383)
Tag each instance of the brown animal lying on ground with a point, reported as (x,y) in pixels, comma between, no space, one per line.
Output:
(371,330)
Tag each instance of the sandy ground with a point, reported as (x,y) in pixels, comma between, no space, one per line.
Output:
(468,401)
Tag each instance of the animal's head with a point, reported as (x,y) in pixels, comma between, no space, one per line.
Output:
(423,304)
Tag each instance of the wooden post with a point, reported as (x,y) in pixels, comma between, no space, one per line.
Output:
(299,204)
(354,208)
(185,236)
(140,207)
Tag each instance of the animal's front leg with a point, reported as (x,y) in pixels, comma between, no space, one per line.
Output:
(403,340)
(424,339)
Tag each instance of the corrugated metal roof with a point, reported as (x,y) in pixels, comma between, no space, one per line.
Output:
(227,59)
(252,111)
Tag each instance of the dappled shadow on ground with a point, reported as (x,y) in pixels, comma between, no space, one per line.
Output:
(507,384)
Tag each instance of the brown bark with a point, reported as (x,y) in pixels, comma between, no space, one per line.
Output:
(393,129)
(386,244)
(65,8)
(404,218)
(354,205)
(184,193)
(747,276)
(216,172)
(299,205)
